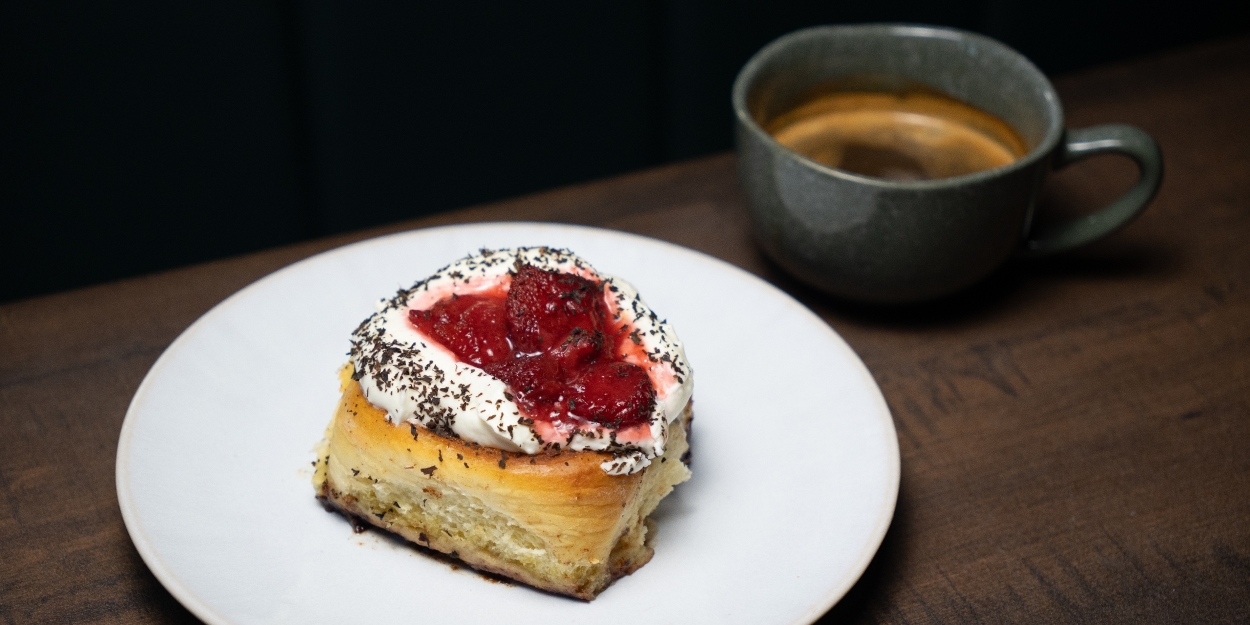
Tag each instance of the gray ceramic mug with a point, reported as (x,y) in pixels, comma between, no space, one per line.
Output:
(878,240)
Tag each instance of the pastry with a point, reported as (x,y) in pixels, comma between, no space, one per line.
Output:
(518,411)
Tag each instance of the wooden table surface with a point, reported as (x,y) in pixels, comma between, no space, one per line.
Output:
(1075,432)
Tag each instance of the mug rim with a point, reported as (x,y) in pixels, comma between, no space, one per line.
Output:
(897,30)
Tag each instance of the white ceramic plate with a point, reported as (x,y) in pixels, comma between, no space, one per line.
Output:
(796,462)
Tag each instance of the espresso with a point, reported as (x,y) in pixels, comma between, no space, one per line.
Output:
(907,135)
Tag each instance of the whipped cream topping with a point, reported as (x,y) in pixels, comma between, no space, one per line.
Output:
(418,381)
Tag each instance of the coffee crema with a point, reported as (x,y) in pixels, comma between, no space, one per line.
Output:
(904,135)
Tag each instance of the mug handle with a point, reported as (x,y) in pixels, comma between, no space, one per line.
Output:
(1082,143)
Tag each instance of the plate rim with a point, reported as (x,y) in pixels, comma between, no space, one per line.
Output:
(184,595)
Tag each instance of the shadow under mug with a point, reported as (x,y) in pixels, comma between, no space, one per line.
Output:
(880,240)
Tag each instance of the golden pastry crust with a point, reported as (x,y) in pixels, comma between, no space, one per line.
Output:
(554,520)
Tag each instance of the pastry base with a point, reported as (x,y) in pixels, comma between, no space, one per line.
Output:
(555,520)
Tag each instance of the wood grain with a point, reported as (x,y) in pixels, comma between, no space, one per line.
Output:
(1073,431)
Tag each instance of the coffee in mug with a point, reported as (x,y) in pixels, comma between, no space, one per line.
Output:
(917,134)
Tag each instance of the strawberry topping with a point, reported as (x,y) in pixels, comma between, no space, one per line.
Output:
(551,342)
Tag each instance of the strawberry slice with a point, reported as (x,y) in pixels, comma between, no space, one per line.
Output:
(535,381)
(471,326)
(614,394)
(546,309)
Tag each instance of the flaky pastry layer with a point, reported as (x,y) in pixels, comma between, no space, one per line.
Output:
(554,520)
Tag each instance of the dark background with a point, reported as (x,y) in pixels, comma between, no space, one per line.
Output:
(143,135)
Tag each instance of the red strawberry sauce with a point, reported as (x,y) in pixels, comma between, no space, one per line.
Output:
(551,340)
